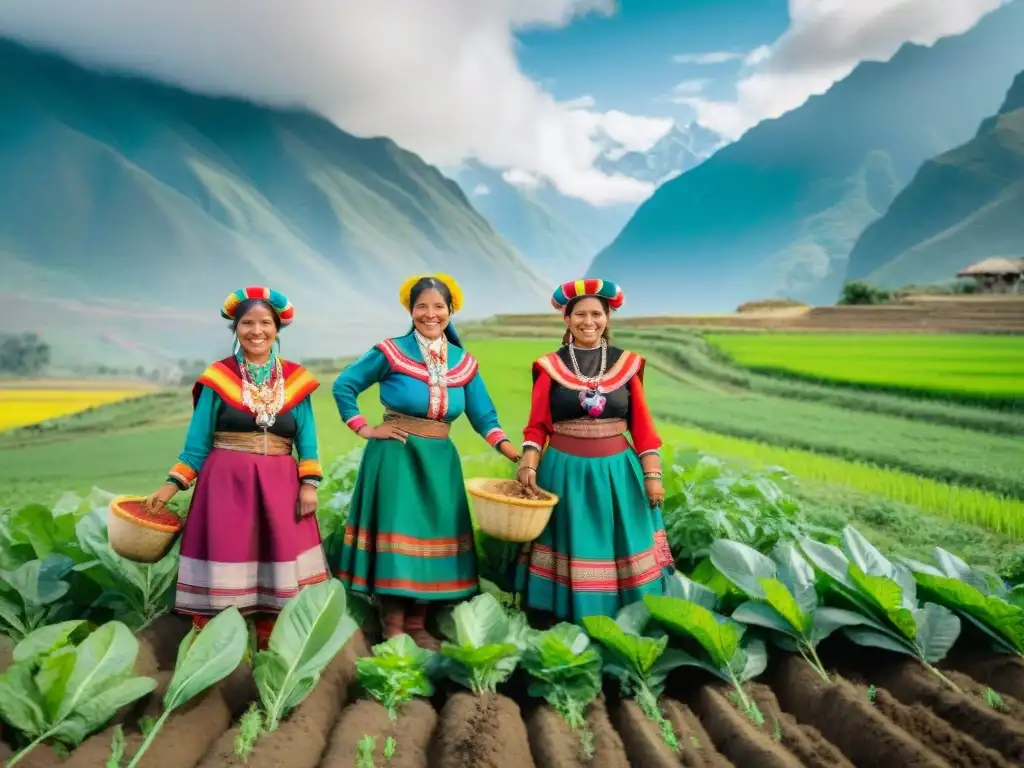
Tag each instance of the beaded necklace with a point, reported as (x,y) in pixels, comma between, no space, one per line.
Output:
(262,388)
(592,399)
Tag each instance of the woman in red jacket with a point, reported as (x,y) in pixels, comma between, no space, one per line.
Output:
(605,546)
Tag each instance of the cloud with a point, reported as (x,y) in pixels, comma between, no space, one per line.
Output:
(440,77)
(687,89)
(712,57)
(481,189)
(825,40)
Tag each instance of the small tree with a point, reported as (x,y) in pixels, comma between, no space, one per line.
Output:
(859,292)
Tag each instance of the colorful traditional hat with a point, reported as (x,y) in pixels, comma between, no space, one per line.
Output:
(277,301)
(405,291)
(575,289)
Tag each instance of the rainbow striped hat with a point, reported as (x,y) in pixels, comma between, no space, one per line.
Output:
(574,289)
(277,301)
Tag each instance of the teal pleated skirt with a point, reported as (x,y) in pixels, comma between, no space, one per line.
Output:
(605,546)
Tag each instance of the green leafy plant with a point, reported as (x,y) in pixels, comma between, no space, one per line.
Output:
(566,673)
(310,631)
(885,594)
(484,644)
(980,597)
(640,663)
(204,658)
(783,597)
(396,673)
(718,642)
(32,595)
(59,690)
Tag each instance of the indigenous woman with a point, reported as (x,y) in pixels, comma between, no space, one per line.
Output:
(251,538)
(409,539)
(605,545)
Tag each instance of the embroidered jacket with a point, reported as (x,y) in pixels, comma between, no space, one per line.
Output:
(557,388)
(217,407)
(397,365)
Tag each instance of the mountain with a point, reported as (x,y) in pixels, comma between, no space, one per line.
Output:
(130,209)
(559,235)
(961,207)
(776,213)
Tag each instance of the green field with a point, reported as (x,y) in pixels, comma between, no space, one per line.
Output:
(954,366)
(912,472)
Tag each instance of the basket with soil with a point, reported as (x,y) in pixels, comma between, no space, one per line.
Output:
(138,534)
(505,511)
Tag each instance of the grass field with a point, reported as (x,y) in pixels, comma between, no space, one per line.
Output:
(953,366)
(914,472)
(39,401)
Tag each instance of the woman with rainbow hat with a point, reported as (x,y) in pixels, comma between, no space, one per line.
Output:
(409,538)
(605,545)
(251,538)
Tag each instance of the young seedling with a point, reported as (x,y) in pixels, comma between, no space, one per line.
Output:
(484,647)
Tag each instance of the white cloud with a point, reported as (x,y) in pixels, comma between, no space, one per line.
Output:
(481,189)
(517,177)
(712,57)
(825,40)
(440,77)
(687,89)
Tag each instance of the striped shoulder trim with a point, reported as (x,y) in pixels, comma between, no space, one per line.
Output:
(399,362)
(625,368)
(227,384)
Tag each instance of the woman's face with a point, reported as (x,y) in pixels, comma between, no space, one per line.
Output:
(587,322)
(256,332)
(430,313)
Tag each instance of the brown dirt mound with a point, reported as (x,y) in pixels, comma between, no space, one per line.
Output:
(554,743)
(481,732)
(913,684)
(163,637)
(736,737)
(1004,673)
(412,733)
(804,741)
(844,715)
(958,749)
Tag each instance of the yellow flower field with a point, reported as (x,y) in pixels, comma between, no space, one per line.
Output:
(21,406)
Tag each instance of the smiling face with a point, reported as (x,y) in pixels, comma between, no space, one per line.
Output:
(430,313)
(587,322)
(256,331)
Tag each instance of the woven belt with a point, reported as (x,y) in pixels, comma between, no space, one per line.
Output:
(429,428)
(590,428)
(265,443)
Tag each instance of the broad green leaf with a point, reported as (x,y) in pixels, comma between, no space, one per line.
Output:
(480,621)
(21,703)
(755,662)
(887,597)
(760,614)
(720,639)
(636,654)
(863,554)
(797,574)
(886,640)
(311,629)
(742,565)
(779,598)
(1006,621)
(677,585)
(827,620)
(828,559)
(53,677)
(95,712)
(208,657)
(47,639)
(634,618)
(937,630)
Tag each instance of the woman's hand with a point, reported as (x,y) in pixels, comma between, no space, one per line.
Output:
(307,500)
(386,431)
(159,498)
(509,451)
(655,491)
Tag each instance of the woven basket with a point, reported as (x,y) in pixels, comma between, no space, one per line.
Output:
(135,535)
(508,518)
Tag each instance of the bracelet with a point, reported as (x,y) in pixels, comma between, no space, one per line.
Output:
(311,481)
(652,475)
(528,469)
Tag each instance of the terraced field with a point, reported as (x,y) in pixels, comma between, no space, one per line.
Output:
(900,715)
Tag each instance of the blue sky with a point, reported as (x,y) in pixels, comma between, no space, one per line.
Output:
(626,61)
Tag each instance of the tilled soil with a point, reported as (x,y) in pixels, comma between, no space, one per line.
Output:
(898,714)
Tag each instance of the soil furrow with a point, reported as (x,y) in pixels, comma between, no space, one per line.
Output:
(300,740)
(481,732)
(696,748)
(736,737)
(411,733)
(912,684)
(804,741)
(554,743)
(844,715)
(642,738)
(1002,672)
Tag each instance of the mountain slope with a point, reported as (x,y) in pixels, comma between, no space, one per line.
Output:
(146,198)
(962,206)
(777,212)
(559,235)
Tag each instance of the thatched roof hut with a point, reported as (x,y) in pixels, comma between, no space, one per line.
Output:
(996,274)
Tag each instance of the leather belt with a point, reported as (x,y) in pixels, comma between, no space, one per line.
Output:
(265,443)
(414,425)
(594,429)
